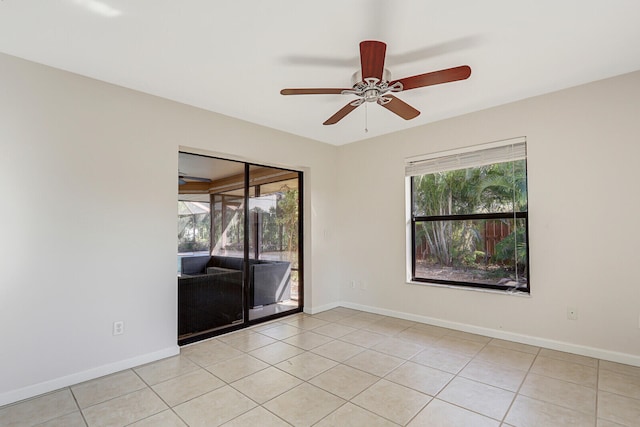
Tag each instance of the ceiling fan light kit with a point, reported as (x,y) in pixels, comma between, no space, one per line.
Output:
(373,84)
(371,89)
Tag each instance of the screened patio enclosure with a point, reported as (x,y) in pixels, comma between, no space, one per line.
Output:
(239,238)
(194,226)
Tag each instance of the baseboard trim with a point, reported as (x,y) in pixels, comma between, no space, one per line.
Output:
(598,353)
(90,374)
(316,310)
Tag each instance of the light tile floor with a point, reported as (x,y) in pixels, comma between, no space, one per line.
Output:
(349,368)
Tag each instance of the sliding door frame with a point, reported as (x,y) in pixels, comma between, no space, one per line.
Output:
(246,322)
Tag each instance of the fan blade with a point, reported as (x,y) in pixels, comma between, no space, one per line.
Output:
(434,78)
(340,114)
(372,59)
(319,91)
(401,108)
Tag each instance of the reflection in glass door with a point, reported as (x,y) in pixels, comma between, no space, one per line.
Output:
(274,255)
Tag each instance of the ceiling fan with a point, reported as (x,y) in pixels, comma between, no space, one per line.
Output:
(373,84)
(182,179)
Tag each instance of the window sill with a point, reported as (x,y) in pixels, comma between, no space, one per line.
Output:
(470,288)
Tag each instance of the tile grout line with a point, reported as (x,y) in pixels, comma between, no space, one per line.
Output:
(365,409)
(517,392)
(160,397)
(564,381)
(395,336)
(346,401)
(456,375)
(597,389)
(261,405)
(86,423)
(228,384)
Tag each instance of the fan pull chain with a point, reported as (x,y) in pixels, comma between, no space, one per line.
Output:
(366,118)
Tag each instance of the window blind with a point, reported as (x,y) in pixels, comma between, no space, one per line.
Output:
(479,155)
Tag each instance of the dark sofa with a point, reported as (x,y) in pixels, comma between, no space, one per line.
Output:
(269,281)
(210,289)
(209,301)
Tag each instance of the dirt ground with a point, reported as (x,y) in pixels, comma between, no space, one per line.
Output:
(488,276)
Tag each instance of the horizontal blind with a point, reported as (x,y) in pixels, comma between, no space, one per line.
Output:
(479,155)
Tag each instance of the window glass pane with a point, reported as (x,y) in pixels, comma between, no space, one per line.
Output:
(482,251)
(273,238)
(193,226)
(228,225)
(275,221)
(496,188)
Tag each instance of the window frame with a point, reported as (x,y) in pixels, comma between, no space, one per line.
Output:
(412,220)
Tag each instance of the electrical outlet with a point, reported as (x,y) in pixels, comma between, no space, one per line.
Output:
(118,328)
(353,284)
(572,313)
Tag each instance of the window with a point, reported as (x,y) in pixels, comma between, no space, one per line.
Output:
(468,217)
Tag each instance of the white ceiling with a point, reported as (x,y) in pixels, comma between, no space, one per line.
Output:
(233,57)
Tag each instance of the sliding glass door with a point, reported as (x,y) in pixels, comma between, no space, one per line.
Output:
(239,245)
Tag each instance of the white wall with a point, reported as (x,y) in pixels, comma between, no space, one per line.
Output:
(88,221)
(583,151)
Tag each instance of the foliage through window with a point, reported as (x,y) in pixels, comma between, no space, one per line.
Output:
(194,221)
(469,219)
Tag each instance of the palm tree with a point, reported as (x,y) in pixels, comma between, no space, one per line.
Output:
(499,187)
(442,194)
(288,218)
(505,189)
